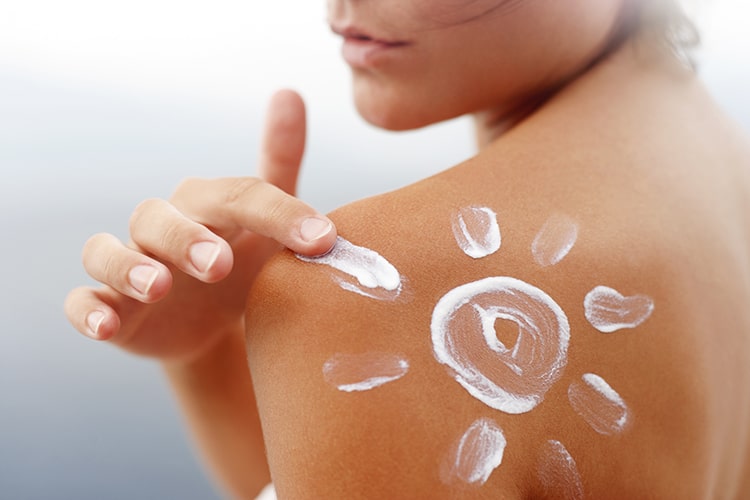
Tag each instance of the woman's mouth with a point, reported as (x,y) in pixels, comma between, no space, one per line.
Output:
(361,50)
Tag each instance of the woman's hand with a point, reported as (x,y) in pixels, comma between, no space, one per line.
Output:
(182,281)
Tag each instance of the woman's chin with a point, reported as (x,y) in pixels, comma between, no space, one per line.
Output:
(395,116)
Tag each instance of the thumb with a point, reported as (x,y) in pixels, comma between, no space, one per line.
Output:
(283,141)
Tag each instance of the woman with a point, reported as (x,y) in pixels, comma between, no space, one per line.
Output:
(562,315)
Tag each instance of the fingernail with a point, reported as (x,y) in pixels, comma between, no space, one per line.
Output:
(203,255)
(142,278)
(314,228)
(94,320)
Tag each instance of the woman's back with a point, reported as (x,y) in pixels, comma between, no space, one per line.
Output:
(621,206)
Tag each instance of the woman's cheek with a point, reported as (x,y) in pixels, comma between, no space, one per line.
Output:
(451,12)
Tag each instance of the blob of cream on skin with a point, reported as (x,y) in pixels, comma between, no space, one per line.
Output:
(558,472)
(365,271)
(512,379)
(608,311)
(268,493)
(554,240)
(479,452)
(362,372)
(476,231)
(598,404)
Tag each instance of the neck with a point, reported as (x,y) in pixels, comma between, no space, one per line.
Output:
(624,63)
(491,124)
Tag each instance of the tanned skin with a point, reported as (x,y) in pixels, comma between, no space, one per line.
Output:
(577,113)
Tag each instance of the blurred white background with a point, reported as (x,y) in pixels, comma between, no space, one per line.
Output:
(103,104)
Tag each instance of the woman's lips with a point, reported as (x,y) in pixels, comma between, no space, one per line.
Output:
(360,50)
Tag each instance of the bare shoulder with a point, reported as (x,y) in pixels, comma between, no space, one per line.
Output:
(521,325)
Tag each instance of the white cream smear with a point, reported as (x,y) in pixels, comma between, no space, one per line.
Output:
(555,240)
(598,404)
(476,231)
(362,372)
(558,472)
(510,379)
(479,452)
(367,272)
(268,493)
(608,311)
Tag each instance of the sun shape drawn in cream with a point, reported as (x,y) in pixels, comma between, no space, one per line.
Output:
(512,379)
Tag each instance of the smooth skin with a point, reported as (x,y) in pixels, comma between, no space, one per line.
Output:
(574,114)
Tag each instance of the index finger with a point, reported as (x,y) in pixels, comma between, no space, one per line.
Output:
(251,204)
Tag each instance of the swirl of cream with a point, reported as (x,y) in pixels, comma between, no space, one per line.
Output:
(510,379)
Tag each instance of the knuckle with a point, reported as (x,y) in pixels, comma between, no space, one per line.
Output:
(188,185)
(143,212)
(90,246)
(173,237)
(94,248)
(110,269)
(242,188)
(283,157)
(280,209)
(100,259)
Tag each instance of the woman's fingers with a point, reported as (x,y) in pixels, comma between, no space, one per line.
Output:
(91,315)
(125,270)
(283,141)
(162,234)
(158,228)
(254,205)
